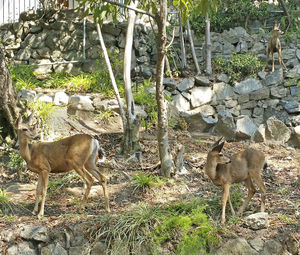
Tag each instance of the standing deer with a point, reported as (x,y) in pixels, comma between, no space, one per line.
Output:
(244,167)
(79,152)
(274,45)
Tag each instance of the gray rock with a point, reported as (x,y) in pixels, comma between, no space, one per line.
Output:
(243,98)
(258,47)
(21,248)
(23,54)
(259,134)
(295,137)
(238,246)
(28,95)
(202,81)
(291,106)
(44,98)
(146,71)
(274,78)
(206,110)
(99,249)
(298,54)
(295,91)
(200,96)
(247,86)
(245,127)
(249,105)
(294,73)
(257,221)
(229,103)
(257,243)
(79,250)
(225,125)
(53,249)
(181,103)
(44,66)
(262,75)
(260,94)
(61,98)
(288,54)
(170,84)
(197,121)
(272,247)
(223,91)
(223,78)
(82,103)
(187,96)
(186,84)
(276,130)
(37,233)
(279,91)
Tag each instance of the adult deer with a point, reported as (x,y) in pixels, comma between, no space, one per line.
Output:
(244,166)
(79,152)
(274,45)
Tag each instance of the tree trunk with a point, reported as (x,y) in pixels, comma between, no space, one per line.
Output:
(286,13)
(183,55)
(192,47)
(167,165)
(131,133)
(8,100)
(112,77)
(208,45)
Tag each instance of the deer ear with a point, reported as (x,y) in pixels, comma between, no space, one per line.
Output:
(217,142)
(219,147)
(18,122)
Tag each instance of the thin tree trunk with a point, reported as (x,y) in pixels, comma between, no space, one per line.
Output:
(192,47)
(8,100)
(183,55)
(131,141)
(112,77)
(208,45)
(286,13)
(167,165)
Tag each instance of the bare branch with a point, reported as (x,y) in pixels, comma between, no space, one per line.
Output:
(130,7)
(173,36)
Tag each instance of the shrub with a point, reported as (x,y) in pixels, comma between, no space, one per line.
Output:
(238,66)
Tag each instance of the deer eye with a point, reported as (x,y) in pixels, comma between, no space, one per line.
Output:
(24,129)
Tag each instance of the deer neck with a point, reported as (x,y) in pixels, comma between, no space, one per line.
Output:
(25,149)
(211,169)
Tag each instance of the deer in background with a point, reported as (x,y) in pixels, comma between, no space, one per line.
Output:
(274,45)
(244,167)
(79,152)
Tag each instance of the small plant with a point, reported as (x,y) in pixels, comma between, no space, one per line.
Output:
(43,110)
(144,181)
(239,66)
(23,77)
(5,204)
(143,97)
(16,163)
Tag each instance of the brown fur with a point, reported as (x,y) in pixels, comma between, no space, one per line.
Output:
(74,152)
(244,167)
(274,45)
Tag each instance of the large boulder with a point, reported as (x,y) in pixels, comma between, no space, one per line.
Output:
(181,103)
(200,96)
(197,121)
(186,84)
(245,127)
(274,78)
(277,131)
(225,125)
(236,246)
(257,221)
(223,91)
(247,86)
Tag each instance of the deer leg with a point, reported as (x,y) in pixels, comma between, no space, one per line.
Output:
(88,179)
(226,189)
(267,59)
(230,204)
(280,58)
(44,184)
(102,179)
(273,62)
(259,182)
(251,192)
(37,194)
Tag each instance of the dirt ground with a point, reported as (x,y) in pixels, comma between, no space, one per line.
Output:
(281,177)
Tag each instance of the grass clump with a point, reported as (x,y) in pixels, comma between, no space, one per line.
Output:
(5,204)
(144,181)
(44,110)
(239,66)
(183,225)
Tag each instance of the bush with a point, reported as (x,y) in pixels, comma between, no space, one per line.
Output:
(238,66)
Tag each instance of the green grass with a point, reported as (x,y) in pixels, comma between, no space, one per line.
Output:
(144,181)
(5,204)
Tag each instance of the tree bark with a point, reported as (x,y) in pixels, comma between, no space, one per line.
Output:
(112,77)
(208,45)
(167,165)
(131,134)
(8,100)
(192,47)
(183,55)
